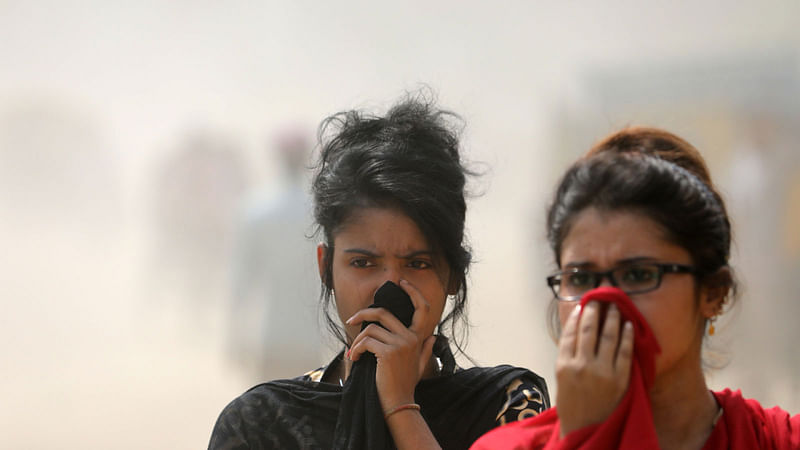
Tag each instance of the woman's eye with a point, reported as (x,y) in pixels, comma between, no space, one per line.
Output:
(360,262)
(419,264)
(638,275)
(580,279)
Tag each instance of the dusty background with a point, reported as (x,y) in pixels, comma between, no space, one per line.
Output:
(138,164)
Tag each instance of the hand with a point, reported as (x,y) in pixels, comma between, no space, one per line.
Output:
(592,375)
(402,353)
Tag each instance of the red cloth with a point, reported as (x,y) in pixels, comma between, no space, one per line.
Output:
(743,425)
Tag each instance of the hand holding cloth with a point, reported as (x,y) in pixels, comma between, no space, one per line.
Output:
(630,425)
(360,423)
(744,424)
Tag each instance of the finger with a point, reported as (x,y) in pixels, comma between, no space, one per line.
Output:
(367,344)
(380,315)
(376,332)
(609,336)
(622,365)
(425,355)
(421,306)
(569,336)
(587,331)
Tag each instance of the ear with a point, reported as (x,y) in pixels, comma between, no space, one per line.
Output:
(715,291)
(322,255)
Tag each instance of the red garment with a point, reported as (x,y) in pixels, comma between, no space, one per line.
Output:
(743,425)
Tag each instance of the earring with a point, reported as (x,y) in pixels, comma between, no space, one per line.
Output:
(711,325)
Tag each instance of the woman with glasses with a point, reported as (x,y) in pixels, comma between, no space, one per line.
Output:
(638,219)
(390,206)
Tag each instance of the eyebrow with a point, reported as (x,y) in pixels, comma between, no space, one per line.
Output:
(417,253)
(621,262)
(360,251)
(414,254)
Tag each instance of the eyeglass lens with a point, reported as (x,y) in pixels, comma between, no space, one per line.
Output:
(631,279)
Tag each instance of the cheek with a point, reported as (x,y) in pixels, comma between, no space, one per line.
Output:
(672,315)
(351,294)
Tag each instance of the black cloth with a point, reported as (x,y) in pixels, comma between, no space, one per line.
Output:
(459,406)
(360,423)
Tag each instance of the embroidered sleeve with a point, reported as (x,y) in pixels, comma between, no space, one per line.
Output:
(523,399)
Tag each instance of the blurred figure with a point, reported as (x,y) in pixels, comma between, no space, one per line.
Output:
(56,176)
(761,173)
(197,193)
(273,331)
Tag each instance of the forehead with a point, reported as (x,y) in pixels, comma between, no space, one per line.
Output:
(605,238)
(379,227)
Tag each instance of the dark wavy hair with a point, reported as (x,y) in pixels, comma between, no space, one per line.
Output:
(407,159)
(659,175)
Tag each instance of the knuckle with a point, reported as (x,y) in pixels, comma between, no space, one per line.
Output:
(608,336)
(625,352)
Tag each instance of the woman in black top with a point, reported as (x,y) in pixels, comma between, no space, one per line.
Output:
(389,203)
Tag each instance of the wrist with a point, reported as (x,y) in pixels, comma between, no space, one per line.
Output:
(390,401)
(400,408)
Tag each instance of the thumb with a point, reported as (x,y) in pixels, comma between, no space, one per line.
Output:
(425,354)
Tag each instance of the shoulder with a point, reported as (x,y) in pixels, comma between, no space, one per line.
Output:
(510,379)
(237,419)
(254,404)
(524,397)
(518,392)
(532,432)
(767,424)
(248,419)
(313,375)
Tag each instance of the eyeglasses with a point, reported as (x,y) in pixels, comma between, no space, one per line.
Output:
(570,285)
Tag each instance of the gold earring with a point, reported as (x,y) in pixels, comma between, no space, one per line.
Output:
(711,325)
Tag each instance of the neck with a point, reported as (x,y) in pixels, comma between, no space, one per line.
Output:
(683,408)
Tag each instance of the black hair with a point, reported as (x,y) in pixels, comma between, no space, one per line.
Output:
(667,190)
(407,159)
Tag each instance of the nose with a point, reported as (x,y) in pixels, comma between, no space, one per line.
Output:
(390,273)
(606,279)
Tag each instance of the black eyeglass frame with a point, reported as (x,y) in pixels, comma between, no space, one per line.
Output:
(554,280)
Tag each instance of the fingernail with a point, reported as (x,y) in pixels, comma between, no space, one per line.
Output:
(349,320)
(403,282)
(348,353)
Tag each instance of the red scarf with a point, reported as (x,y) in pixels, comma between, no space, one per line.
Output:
(744,424)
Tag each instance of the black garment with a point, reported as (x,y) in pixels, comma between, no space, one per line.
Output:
(458,406)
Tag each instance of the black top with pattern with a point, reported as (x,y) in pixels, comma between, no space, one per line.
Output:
(459,406)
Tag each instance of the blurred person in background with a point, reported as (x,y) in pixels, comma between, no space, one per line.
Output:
(273,331)
(639,221)
(58,175)
(390,205)
(197,193)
